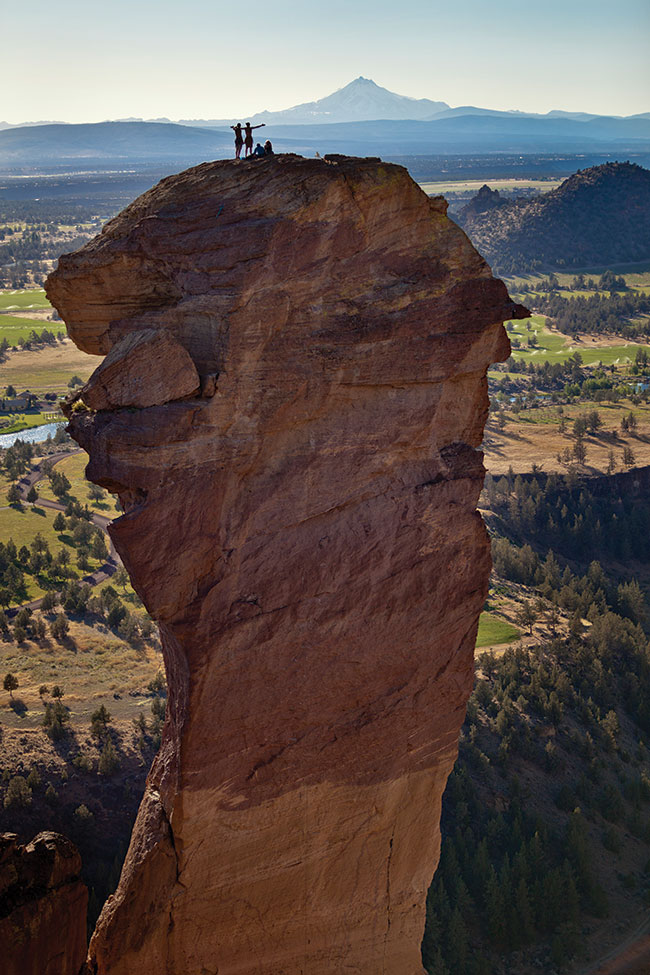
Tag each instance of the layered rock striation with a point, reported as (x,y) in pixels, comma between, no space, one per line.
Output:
(42,906)
(301,521)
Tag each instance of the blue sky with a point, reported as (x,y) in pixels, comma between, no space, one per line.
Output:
(85,61)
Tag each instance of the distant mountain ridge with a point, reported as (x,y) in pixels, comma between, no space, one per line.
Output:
(124,144)
(109,143)
(360,100)
(599,216)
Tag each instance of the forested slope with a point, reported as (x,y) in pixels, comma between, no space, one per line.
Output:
(599,216)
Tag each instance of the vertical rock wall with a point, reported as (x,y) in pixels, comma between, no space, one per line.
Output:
(290,414)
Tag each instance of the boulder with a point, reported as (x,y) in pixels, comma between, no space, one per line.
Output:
(144,368)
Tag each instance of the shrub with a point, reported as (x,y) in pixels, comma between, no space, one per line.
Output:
(109,760)
(59,627)
(51,795)
(83,818)
(48,602)
(83,761)
(55,719)
(18,793)
(99,722)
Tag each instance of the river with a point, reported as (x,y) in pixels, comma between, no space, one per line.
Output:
(32,435)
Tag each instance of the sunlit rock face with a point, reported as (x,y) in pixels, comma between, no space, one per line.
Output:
(304,529)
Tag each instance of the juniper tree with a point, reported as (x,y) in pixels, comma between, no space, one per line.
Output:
(10,684)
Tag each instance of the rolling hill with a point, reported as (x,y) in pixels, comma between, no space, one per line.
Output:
(599,216)
(109,143)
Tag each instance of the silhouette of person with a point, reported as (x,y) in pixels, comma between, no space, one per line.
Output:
(259,151)
(239,139)
(268,148)
(248,137)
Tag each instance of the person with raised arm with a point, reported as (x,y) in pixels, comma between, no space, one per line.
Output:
(248,137)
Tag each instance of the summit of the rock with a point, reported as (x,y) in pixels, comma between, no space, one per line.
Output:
(304,529)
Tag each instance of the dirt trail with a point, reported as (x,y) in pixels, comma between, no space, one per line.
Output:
(632,957)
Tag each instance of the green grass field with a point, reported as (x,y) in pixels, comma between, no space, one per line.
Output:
(32,300)
(492,631)
(555,347)
(12,328)
(25,421)
(73,467)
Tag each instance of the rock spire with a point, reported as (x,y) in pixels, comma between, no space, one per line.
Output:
(300,518)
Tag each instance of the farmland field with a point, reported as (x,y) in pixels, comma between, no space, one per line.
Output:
(474,185)
(49,369)
(553,346)
(31,300)
(493,631)
(636,277)
(13,328)
(25,421)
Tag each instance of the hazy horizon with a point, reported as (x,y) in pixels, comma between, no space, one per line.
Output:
(154,60)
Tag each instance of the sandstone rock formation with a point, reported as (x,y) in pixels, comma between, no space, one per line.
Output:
(305,532)
(42,906)
(152,354)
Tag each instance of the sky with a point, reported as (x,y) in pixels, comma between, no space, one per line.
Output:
(86,62)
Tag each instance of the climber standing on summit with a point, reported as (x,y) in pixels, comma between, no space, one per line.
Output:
(239,139)
(248,137)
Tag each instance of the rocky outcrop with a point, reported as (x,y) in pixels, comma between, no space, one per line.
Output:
(42,906)
(486,199)
(145,368)
(305,532)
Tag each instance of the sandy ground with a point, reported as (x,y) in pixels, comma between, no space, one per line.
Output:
(39,314)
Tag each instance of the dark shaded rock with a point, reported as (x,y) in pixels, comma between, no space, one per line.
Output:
(42,906)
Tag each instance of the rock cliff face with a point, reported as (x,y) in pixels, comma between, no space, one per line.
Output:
(42,906)
(304,529)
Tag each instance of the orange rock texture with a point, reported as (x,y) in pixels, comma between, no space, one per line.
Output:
(42,906)
(304,530)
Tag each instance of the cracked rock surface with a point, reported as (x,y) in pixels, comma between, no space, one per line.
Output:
(304,529)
